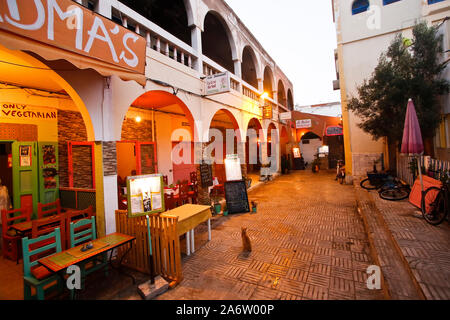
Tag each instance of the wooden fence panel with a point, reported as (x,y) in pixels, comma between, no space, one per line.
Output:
(165,245)
(433,167)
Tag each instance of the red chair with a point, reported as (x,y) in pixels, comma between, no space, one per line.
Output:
(193,194)
(49,209)
(193,176)
(182,197)
(41,227)
(169,202)
(11,241)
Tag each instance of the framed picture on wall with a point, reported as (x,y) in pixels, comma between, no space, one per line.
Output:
(25,156)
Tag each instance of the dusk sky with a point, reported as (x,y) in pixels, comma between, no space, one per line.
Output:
(301,37)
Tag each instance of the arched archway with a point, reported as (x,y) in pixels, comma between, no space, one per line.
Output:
(272,138)
(268,81)
(174,16)
(281,94)
(217,41)
(309,144)
(254,140)
(160,126)
(249,67)
(42,113)
(226,128)
(290,100)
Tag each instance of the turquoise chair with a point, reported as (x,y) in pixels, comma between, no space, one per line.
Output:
(38,276)
(81,232)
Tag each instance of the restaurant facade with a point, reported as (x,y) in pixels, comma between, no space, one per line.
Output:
(95,91)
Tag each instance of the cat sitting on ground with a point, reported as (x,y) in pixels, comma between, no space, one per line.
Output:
(246,244)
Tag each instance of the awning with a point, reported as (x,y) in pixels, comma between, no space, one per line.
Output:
(48,52)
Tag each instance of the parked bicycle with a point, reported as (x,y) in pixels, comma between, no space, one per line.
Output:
(388,187)
(436,204)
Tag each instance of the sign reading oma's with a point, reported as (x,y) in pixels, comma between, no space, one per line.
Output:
(67,25)
(20,111)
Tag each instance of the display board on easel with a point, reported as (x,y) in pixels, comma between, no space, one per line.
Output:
(145,195)
(233,169)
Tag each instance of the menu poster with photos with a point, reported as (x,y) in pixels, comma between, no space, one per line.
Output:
(25,156)
(145,195)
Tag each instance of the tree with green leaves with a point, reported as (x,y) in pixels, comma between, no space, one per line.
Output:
(410,68)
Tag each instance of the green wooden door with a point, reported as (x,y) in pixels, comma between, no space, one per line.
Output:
(25,175)
(48,172)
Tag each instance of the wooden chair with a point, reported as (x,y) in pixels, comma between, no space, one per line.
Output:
(11,241)
(45,226)
(169,202)
(193,176)
(74,216)
(49,209)
(35,275)
(81,232)
(193,194)
(182,196)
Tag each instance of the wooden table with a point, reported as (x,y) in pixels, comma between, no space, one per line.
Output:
(189,217)
(64,259)
(60,261)
(25,227)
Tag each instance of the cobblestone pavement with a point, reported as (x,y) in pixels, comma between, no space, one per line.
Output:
(425,247)
(308,243)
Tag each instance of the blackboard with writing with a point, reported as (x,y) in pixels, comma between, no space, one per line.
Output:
(236,197)
(206,175)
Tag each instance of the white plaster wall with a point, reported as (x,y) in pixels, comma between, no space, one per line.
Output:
(310,150)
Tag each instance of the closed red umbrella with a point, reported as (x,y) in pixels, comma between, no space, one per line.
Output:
(412,142)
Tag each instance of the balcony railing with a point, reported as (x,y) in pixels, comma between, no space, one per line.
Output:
(166,44)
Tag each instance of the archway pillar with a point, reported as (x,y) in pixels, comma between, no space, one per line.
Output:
(238,68)
(196,37)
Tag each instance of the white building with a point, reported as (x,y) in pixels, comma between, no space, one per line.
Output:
(120,79)
(365,29)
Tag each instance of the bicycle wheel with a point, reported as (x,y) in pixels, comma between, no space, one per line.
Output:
(434,206)
(394,194)
(365,184)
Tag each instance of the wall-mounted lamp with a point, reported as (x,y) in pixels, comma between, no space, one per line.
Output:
(138,119)
(264,96)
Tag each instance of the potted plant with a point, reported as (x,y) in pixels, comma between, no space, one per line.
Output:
(254,206)
(216,202)
(225,210)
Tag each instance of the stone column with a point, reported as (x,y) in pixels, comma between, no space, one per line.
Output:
(196,36)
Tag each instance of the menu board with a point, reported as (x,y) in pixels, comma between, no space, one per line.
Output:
(236,197)
(233,169)
(206,175)
(145,195)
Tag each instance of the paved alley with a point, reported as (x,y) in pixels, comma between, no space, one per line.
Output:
(308,243)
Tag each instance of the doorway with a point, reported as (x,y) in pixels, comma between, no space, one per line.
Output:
(6,168)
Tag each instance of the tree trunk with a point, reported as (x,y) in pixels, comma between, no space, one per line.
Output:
(392,147)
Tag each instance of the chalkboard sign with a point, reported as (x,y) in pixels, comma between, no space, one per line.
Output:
(206,175)
(236,197)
